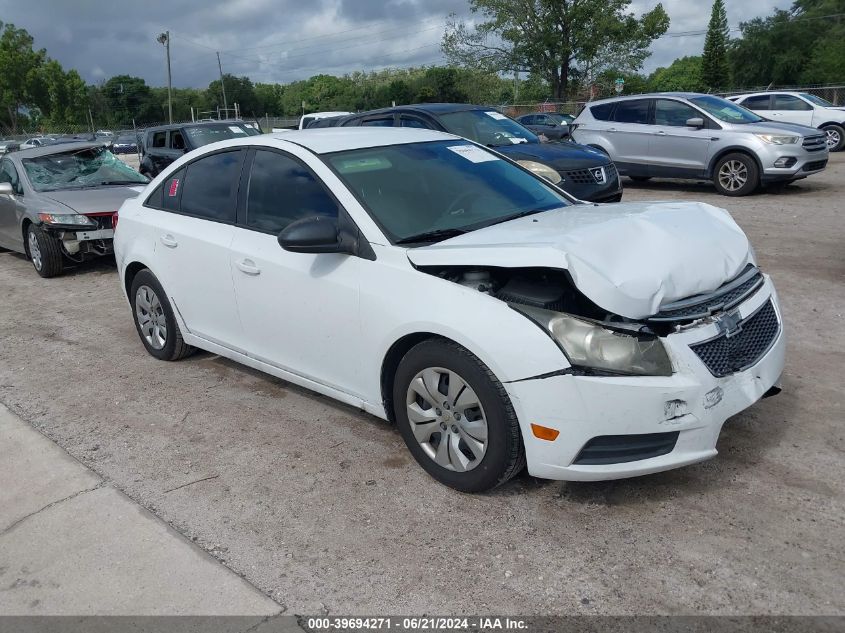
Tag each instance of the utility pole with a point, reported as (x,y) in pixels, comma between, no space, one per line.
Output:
(223,87)
(164,38)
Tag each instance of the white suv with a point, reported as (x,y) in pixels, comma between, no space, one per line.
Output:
(801,108)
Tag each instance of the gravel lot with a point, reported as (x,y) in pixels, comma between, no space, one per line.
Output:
(321,507)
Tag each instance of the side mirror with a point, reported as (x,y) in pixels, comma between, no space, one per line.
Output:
(317,234)
(6,189)
(696,122)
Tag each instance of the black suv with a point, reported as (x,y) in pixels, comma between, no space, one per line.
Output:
(585,173)
(165,143)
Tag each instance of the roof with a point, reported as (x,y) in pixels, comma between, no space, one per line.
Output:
(767,92)
(651,95)
(59,148)
(337,139)
(176,126)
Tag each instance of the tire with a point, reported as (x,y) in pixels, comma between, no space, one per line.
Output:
(640,178)
(44,252)
(736,175)
(483,446)
(835,137)
(147,297)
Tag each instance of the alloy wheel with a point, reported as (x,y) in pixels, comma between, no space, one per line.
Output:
(733,175)
(833,138)
(35,251)
(447,419)
(151,319)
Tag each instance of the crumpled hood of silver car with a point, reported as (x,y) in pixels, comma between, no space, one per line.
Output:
(94,199)
(628,258)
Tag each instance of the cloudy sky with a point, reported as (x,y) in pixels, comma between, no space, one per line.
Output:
(284,40)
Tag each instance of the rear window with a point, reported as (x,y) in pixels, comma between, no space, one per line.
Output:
(635,111)
(602,111)
(212,133)
(760,102)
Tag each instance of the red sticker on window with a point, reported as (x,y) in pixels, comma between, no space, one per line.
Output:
(174,187)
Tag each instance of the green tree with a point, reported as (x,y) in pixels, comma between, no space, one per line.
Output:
(238,90)
(130,98)
(683,74)
(564,42)
(20,66)
(715,70)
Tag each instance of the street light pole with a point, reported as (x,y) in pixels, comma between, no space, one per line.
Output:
(164,38)
(223,86)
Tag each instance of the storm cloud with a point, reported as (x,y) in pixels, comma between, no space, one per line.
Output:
(284,40)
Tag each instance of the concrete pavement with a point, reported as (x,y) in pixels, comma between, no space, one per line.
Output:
(71,544)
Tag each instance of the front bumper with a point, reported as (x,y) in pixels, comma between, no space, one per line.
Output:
(692,402)
(801,163)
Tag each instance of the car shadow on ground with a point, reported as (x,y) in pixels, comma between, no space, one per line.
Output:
(100,265)
(703,187)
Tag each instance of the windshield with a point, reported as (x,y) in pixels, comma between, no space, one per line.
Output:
(817,100)
(725,110)
(203,135)
(442,186)
(88,167)
(487,127)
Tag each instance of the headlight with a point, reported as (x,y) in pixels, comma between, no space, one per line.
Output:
(777,140)
(588,344)
(71,218)
(541,170)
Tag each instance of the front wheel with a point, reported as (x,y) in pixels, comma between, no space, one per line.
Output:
(44,252)
(835,137)
(736,175)
(456,417)
(155,320)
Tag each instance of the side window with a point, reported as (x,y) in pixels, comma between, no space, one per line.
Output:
(407,121)
(9,174)
(788,102)
(602,111)
(167,195)
(760,102)
(282,190)
(674,113)
(633,111)
(176,140)
(210,187)
(543,120)
(383,122)
(159,139)
(527,120)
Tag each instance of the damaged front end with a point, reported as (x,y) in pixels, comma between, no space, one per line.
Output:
(81,237)
(598,342)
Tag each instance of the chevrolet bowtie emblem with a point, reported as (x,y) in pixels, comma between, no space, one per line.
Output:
(729,324)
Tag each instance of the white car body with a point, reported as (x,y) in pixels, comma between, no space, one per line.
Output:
(796,107)
(305,119)
(344,314)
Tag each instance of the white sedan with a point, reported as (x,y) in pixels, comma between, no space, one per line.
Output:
(436,284)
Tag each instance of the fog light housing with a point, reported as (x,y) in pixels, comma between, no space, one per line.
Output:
(786,161)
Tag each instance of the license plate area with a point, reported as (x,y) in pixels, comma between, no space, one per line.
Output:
(102,234)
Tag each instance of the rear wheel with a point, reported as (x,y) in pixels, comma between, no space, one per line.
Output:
(736,175)
(835,136)
(456,417)
(155,320)
(44,251)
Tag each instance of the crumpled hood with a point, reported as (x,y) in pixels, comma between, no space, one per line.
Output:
(628,258)
(94,200)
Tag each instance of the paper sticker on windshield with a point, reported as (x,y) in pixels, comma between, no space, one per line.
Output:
(174,187)
(516,140)
(473,153)
(236,129)
(496,115)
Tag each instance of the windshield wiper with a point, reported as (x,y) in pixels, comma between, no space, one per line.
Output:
(122,182)
(513,216)
(432,236)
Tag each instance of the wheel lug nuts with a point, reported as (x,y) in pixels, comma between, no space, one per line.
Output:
(457,416)
(438,412)
(454,429)
(446,405)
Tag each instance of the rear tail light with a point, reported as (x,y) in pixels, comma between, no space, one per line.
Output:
(114,220)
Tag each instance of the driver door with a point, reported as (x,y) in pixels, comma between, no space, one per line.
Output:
(11,208)
(300,311)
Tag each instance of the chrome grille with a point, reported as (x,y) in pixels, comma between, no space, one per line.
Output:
(814,143)
(726,297)
(728,353)
(591,176)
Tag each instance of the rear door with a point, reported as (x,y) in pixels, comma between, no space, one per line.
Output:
(629,133)
(790,109)
(761,104)
(300,311)
(192,220)
(677,149)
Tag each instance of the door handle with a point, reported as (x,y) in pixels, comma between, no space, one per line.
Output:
(248,266)
(169,241)
(611,129)
(660,133)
